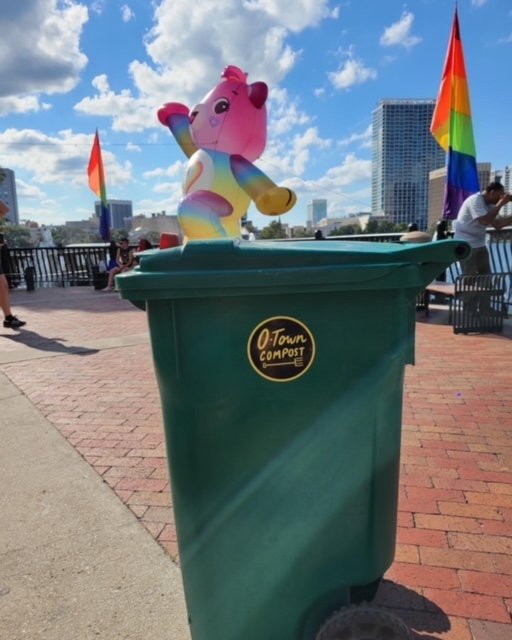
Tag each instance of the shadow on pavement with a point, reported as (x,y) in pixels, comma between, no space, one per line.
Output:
(44,343)
(420,614)
(77,298)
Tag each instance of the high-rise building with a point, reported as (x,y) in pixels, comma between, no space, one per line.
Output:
(8,194)
(317,210)
(507,183)
(121,213)
(403,154)
(505,177)
(436,187)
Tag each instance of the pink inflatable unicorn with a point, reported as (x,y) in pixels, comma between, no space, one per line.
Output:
(222,136)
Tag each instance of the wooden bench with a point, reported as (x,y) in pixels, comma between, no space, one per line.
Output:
(439,288)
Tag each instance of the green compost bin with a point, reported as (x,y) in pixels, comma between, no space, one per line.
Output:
(280,368)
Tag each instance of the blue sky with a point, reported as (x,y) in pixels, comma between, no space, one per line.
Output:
(68,67)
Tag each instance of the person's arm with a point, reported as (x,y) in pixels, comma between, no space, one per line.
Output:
(499,223)
(490,218)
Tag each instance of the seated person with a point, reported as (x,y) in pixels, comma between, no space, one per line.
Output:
(124,262)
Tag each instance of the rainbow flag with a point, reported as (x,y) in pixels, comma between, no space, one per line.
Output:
(453,129)
(96,174)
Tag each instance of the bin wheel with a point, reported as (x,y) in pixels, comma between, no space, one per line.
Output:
(361,622)
(364,592)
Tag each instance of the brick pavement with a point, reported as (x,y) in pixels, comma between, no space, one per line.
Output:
(452,575)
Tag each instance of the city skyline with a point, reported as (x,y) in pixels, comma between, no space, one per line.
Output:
(327,66)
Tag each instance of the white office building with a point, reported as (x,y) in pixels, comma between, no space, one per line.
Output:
(506,181)
(317,210)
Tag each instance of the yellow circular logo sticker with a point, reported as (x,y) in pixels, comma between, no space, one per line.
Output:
(281,349)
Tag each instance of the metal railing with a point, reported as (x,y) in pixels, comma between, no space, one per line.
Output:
(75,266)
(499,243)
(52,266)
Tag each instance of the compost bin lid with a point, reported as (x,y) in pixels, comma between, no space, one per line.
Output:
(227,267)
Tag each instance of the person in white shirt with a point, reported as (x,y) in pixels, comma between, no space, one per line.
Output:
(478,212)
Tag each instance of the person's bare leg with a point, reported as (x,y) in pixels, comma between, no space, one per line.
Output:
(10,321)
(5,305)
(111,275)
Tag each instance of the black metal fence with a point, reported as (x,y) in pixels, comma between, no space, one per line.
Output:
(75,266)
(499,243)
(53,266)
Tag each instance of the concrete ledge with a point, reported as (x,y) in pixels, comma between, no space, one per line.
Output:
(74,562)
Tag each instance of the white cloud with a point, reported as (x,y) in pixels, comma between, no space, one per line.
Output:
(57,159)
(352,170)
(364,138)
(398,34)
(130,114)
(351,73)
(51,60)
(310,138)
(284,113)
(98,6)
(295,16)
(300,151)
(285,157)
(177,169)
(127,13)
(169,203)
(478,3)
(21,104)
(29,191)
(345,186)
(190,49)
(165,187)
(187,52)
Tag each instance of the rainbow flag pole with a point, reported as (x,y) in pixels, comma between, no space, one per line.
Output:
(453,129)
(96,174)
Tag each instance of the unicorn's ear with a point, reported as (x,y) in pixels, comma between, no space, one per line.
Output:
(258,93)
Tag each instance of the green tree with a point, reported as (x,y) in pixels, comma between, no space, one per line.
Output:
(346,230)
(303,233)
(387,227)
(64,235)
(16,235)
(372,226)
(273,230)
(384,226)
